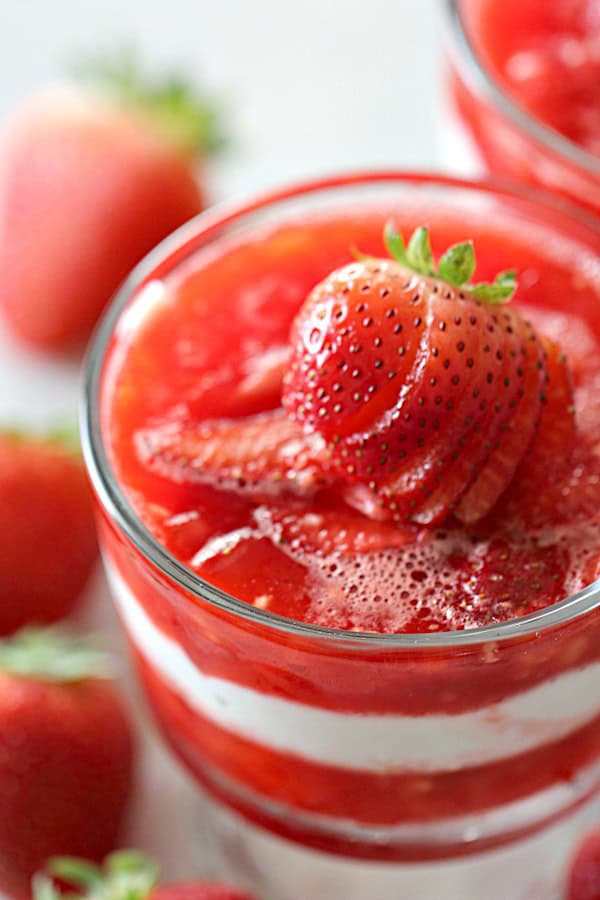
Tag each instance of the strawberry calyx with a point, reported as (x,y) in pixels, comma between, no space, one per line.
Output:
(124,875)
(53,655)
(186,116)
(456,266)
(63,435)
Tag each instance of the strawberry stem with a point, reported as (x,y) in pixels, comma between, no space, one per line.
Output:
(455,267)
(51,654)
(185,116)
(125,875)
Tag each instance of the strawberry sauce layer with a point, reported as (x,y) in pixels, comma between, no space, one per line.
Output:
(199,374)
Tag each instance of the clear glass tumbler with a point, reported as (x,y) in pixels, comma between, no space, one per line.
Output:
(442,766)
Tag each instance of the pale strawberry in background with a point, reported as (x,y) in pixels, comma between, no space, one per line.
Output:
(66,755)
(91,178)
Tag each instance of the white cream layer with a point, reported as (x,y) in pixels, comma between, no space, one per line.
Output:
(276,867)
(369,742)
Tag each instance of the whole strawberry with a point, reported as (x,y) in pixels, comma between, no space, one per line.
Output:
(584,876)
(90,181)
(66,754)
(125,875)
(47,533)
(428,389)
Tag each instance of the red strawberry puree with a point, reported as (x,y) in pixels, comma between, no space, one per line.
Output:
(415,749)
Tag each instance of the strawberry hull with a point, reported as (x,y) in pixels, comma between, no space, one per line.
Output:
(421,744)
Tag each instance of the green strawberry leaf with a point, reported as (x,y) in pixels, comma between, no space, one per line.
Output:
(184,115)
(499,290)
(132,862)
(457,264)
(76,871)
(64,434)
(394,242)
(358,255)
(125,875)
(419,255)
(51,654)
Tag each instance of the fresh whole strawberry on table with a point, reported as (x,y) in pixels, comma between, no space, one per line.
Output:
(48,545)
(93,175)
(66,754)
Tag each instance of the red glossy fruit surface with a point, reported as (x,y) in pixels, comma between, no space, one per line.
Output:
(256,454)
(66,757)
(86,190)
(47,532)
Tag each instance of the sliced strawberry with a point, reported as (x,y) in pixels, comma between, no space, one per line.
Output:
(330,527)
(256,453)
(514,440)
(497,398)
(354,345)
(436,414)
(555,436)
(574,336)
(412,443)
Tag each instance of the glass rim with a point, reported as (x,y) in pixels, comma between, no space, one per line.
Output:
(177,247)
(487,87)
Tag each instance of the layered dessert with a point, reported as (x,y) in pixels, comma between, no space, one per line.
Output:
(525,79)
(362,474)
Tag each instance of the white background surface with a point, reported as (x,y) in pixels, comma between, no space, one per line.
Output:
(309,87)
